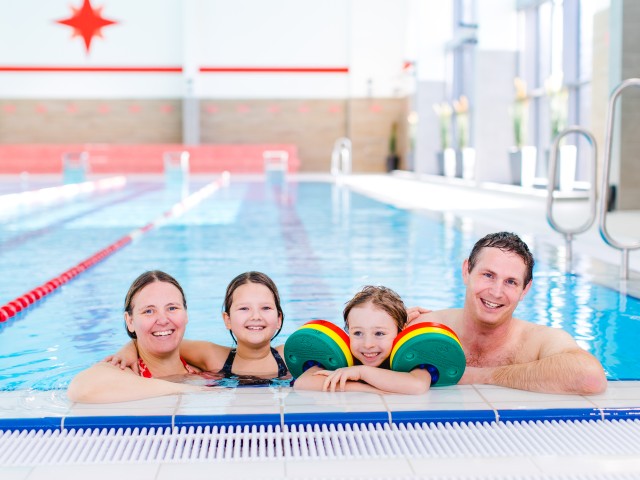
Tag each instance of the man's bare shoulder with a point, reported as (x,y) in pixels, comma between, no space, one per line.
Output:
(546,340)
(451,317)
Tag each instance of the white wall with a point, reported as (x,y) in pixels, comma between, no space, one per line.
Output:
(367,36)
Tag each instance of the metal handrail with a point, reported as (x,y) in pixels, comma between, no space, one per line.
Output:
(606,167)
(341,157)
(553,169)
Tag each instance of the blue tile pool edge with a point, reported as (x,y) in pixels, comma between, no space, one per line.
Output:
(320,418)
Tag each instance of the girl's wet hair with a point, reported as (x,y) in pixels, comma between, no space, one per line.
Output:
(252,277)
(142,281)
(383,298)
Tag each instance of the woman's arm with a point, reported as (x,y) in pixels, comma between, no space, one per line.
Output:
(106,383)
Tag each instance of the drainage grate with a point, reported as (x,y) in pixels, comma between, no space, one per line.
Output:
(300,442)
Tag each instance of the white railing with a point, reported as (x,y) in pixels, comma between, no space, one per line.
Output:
(569,232)
(606,167)
(341,157)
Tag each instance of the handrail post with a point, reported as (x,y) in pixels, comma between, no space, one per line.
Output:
(553,169)
(341,157)
(606,168)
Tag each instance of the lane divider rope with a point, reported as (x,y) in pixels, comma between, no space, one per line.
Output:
(32,296)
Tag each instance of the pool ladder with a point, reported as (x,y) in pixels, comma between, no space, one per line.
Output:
(606,167)
(341,157)
(603,209)
(569,232)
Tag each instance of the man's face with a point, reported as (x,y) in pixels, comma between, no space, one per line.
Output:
(495,286)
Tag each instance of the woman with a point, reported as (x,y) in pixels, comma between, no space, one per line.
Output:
(155,317)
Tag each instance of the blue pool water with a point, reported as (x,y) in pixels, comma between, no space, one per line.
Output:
(318,241)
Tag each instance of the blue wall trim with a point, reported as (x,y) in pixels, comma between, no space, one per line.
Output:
(442,416)
(321,418)
(227,420)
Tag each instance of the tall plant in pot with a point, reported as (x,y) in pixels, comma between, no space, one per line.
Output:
(446,155)
(558,96)
(522,157)
(465,156)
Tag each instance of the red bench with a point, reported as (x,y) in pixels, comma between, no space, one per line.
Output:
(123,159)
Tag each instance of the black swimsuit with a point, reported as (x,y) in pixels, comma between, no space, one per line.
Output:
(282,367)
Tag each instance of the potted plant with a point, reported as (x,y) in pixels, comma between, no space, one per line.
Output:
(558,102)
(465,156)
(393,159)
(446,157)
(522,157)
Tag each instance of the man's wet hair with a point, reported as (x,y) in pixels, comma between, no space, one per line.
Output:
(507,242)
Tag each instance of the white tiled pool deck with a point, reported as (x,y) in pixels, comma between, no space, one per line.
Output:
(474,207)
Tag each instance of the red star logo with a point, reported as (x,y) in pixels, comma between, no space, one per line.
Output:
(87,22)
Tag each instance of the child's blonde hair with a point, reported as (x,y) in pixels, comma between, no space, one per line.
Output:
(382,297)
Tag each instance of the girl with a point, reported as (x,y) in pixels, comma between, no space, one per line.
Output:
(254,317)
(373,319)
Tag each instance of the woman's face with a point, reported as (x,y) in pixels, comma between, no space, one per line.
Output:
(253,317)
(371,334)
(158,318)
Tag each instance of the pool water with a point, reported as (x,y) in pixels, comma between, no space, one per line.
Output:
(319,241)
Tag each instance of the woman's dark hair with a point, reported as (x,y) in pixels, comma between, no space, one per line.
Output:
(142,281)
(507,242)
(382,297)
(252,277)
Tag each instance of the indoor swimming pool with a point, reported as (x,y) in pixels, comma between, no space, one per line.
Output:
(320,241)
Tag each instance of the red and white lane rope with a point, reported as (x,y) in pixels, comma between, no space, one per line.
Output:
(32,296)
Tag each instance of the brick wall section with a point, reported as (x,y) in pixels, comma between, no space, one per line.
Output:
(311,125)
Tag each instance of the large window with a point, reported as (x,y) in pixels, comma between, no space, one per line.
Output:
(556,47)
(461,56)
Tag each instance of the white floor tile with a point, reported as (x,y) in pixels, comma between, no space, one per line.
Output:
(95,472)
(535,404)
(229,410)
(494,394)
(224,398)
(346,468)
(319,399)
(231,469)
(474,467)
(591,465)
(15,473)
(457,395)
(166,401)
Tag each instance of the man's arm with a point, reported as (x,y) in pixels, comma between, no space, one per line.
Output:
(106,383)
(562,367)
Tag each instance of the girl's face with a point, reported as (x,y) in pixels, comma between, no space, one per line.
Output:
(253,318)
(158,318)
(371,334)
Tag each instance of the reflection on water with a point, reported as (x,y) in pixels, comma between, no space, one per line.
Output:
(319,242)
(215,379)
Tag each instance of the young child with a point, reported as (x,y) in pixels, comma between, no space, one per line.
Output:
(254,317)
(373,319)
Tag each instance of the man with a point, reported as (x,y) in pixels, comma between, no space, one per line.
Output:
(503,350)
